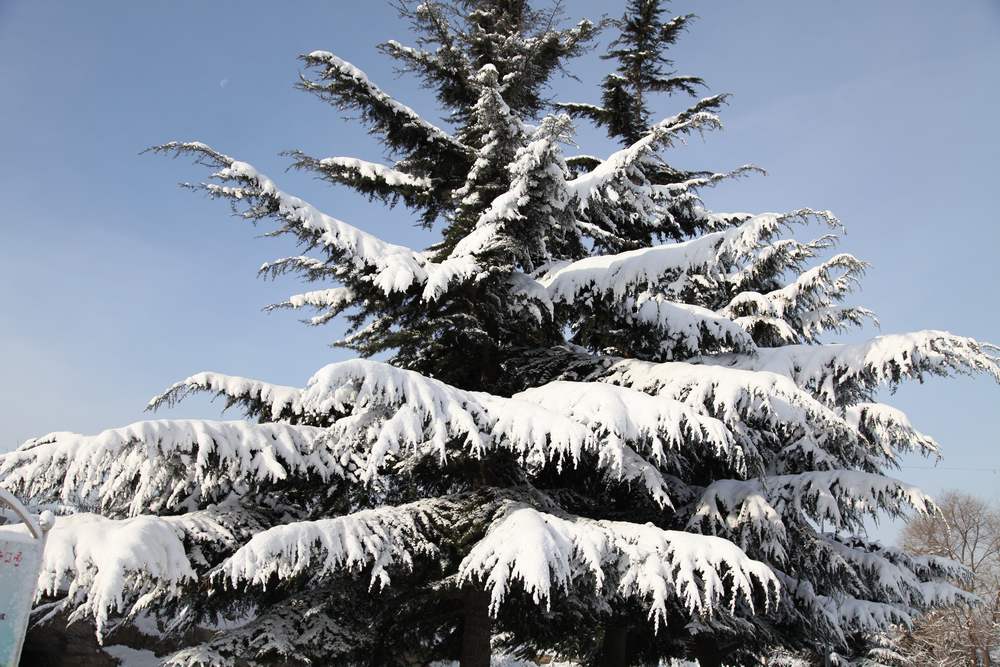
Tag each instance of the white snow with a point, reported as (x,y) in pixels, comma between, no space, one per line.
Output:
(890,430)
(381,538)
(347,70)
(103,565)
(841,497)
(373,171)
(543,551)
(829,369)
(395,267)
(131,657)
(157,465)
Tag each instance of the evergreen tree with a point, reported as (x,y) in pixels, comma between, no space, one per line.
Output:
(587,440)
(643,69)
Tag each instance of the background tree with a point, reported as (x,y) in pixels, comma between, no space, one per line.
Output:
(966,530)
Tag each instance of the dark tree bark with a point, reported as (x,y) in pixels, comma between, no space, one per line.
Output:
(711,653)
(614,648)
(476,628)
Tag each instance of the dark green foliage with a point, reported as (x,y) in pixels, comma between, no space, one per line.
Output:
(642,68)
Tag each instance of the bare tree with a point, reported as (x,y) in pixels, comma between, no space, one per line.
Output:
(966,530)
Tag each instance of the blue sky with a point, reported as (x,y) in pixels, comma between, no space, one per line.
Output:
(115,283)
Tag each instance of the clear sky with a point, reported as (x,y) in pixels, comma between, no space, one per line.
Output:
(115,283)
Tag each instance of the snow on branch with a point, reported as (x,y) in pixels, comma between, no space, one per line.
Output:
(889,575)
(537,189)
(331,302)
(380,538)
(703,181)
(402,128)
(259,399)
(311,268)
(389,267)
(844,615)
(889,430)
(925,566)
(806,307)
(446,66)
(752,523)
(658,427)
(628,272)
(542,551)
(158,465)
(764,411)
(684,329)
(370,178)
(596,113)
(388,411)
(598,182)
(841,373)
(649,286)
(349,167)
(383,410)
(773,259)
(103,567)
(306,628)
(376,412)
(842,497)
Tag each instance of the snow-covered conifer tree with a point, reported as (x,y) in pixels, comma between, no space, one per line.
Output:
(610,426)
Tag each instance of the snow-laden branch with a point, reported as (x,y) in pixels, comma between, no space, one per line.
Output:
(376,412)
(661,428)
(390,412)
(412,411)
(669,190)
(382,538)
(369,172)
(331,302)
(775,258)
(599,183)
(762,410)
(158,465)
(636,435)
(393,267)
(389,267)
(847,615)
(807,306)
(667,266)
(843,615)
(274,402)
(889,575)
(541,551)
(308,627)
(889,430)
(684,329)
(371,178)
(925,567)
(841,497)
(537,193)
(402,127)
(104,567)
(839,373)
(650,288)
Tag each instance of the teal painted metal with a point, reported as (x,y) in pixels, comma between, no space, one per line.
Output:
(21,550)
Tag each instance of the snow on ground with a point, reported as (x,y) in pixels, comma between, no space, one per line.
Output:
(130,657)
(508,661)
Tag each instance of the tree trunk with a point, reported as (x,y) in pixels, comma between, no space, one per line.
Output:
(475,628)
(614,648)
(707,659)
(711,653)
